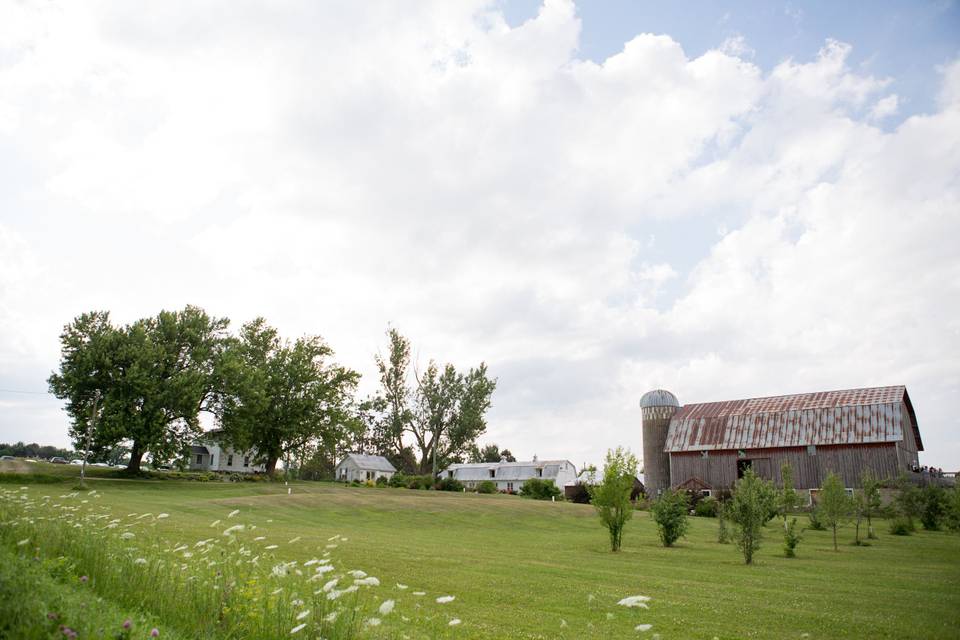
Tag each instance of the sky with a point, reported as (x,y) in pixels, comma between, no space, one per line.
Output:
(595,199)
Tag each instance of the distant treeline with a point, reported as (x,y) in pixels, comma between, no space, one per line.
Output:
(33,450)
(144,385)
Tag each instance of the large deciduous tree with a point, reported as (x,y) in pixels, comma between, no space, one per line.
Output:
(152,378)
(280,397)
(442,410)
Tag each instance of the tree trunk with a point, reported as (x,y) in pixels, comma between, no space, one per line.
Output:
(136,455)
(835,548)
(271,465)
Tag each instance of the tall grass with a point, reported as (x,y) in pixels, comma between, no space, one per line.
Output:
(232,583)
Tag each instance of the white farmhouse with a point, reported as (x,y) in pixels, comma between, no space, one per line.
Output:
(361,467)
(510,476)
(210,455)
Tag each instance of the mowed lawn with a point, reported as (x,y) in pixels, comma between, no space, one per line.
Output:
(526,569)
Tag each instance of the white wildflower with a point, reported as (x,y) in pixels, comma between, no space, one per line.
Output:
(297,628)
(419,593)
(333,538)
(140,561)
(259,538)
(303,614)
(230,530)
(233,513)
(331,617)
(331,584)
(270,547)
(324,568)
(127,535)
(369,581)
(401,586)
(214,523)
(331,546)
(356,573)
(23,542)
(297,602)
(310,563)
(635,601)
(643,627)
(297,539)
(454,622)
(445,599)
(386,607)
(161,516)
(373,622)
(563,623)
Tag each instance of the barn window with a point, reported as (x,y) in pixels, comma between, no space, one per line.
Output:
(811,449)
(706,493)
(704,454)
(199,458)
(742,466)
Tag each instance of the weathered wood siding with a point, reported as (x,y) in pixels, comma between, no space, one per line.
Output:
(719,468)
(907,448)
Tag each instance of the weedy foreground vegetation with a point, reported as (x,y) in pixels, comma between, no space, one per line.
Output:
(217,560)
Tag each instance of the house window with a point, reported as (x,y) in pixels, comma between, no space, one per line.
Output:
(706,493)
(493,473)
(539,473)
(449,474)
(230,460)
(370,475)
(246,461)
(199,458)
(509,486)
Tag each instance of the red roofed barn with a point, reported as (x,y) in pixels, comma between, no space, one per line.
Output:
(711,444)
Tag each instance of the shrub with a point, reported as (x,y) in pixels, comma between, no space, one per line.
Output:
(706,508)
(449,484)
(420,482)
(382,481)
(611,498)
(487,486)
(816,522)
(397,480)
(540,489)
(901,526)
(933,507)
(723,532)
(670,514)
(579,494)
(791,538)
(953,509)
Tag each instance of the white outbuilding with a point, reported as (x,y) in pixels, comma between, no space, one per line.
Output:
(510,476)
(361,467)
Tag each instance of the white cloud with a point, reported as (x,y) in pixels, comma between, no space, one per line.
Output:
(490,194)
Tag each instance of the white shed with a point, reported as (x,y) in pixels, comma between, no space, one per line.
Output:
(510,476)
(361,467)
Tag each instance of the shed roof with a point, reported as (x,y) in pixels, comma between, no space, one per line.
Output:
(853,416)
(508,470)
(369,463)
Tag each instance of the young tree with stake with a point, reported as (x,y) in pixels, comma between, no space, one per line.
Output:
(835,505)
(611,497)
(753,501)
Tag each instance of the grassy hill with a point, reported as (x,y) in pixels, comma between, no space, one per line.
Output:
(526,569)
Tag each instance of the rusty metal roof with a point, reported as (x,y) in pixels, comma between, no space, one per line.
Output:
(853,416)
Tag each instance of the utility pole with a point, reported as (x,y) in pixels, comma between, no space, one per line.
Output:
(86,444)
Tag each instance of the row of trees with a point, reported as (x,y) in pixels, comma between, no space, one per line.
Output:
(33,450)
(754,502)
(148,382)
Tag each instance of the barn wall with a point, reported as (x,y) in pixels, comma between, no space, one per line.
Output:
(908,447)
(719,468)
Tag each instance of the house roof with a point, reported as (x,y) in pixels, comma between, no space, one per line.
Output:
(196,448)
(508,470)
(853,416)
(369,463)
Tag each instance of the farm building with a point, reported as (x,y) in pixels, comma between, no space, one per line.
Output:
(707,446)
(212,455)
(510,476)
(361,467)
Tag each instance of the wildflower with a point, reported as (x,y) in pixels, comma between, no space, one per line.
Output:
(214,523)
(563,623)
(51,616)
(368,582)
(229,531)
(445,599)
(356,573)
(454,622)
(634,601)
(127,535)
(643,627)
(609,616)
(233,513)
(84,578)
(331,546)
(23,542)
(297,602)
(270,546)
(331,617)
(154,633)
(373,622)
(127,624)
(386,607)
(259,538)
(310,563)
(324,568)
(297,539)
(161,516)
(419,593)
(330,585)
(333,538)
(140,561)
(297,628)
(401,586)
(303,614)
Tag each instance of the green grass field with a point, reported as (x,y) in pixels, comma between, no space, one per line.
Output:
(526,569)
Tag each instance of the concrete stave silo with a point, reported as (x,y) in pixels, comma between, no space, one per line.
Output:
(658,407)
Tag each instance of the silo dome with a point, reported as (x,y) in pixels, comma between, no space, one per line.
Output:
(658,398)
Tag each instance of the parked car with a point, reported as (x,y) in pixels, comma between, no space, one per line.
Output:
(58,460)
(76,462)
(99,464)
(4,458)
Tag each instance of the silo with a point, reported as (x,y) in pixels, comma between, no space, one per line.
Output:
(657,407)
